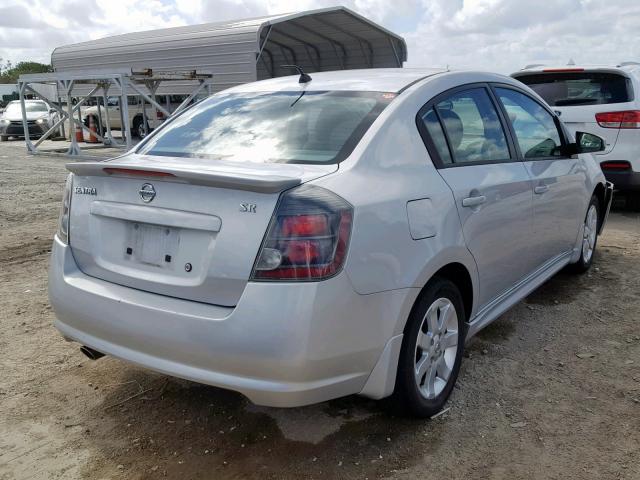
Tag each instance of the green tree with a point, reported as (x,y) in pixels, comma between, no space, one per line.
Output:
(9,73)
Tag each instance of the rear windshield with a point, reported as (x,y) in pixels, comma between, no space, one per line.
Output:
(583,88)
(284,127)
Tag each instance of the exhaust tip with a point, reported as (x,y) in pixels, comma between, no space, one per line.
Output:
(91,353)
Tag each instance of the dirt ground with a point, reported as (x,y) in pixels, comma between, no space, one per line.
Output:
(550,390)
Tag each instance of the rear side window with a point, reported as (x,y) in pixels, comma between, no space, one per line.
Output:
(473,129)
(534,127)
(580,88)
(432,124)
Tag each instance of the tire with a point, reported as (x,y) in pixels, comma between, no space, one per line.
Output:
(589,238)
(138,129)
(414,393)
(4,138)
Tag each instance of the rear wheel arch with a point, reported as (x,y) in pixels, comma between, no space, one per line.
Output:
(427,364)
(460,276)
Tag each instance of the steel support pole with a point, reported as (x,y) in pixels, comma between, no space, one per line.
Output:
(59,107)
(145,120)
(73,148)
(395,52)
(100,130)
(108,137)
(124,111)
(149,99)
(192,95)
(25,123)
(80,119)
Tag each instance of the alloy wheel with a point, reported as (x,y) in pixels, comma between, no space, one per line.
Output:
(436,348)
(590,232)
(141,130)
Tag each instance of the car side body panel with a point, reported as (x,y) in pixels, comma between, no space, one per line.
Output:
(390,168)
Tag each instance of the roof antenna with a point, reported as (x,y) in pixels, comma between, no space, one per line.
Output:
(304,78)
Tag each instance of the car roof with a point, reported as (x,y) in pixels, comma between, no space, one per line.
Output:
(370,79)
(393,80)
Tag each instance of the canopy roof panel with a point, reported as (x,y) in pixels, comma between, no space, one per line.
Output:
(242,51)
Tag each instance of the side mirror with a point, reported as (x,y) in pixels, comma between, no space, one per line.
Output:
(586,143)
(589,143)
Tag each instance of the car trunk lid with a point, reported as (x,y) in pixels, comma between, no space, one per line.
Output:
(176,226)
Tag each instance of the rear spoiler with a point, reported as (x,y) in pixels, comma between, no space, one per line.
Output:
(222,177)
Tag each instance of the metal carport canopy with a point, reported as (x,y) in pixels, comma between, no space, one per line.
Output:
(242,51)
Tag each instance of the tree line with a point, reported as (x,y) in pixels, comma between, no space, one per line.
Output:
(9,72)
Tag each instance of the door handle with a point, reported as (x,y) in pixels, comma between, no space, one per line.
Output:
(473,201)
(540,189)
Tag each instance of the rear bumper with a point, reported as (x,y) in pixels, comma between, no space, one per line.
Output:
(283,344)
(608,200)
(626,180)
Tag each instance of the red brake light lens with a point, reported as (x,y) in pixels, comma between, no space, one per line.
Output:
(305,225)
(303,252)
(308,237)
(562,70)
(625,119)
(136,172)
(615,165)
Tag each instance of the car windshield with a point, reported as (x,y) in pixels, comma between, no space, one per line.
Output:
(14,108)
(284,127)
(583,88)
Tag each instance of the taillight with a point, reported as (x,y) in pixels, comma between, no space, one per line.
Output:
(65,210)
(615,165)
(624,119)
(159,115)
(307,238)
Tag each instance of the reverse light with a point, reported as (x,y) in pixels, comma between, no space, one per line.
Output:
(623,120)
(65,210)
(308,237)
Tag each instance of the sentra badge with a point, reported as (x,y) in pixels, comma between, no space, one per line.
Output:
(86,191)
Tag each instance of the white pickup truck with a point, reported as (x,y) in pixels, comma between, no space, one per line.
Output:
(135,116)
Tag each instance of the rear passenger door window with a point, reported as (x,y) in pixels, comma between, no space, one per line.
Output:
(534,127)
(434,129)
(471,126)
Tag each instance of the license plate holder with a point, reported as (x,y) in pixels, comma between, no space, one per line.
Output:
(152,244)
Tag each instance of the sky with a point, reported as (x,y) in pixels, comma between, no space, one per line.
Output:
(495,35)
